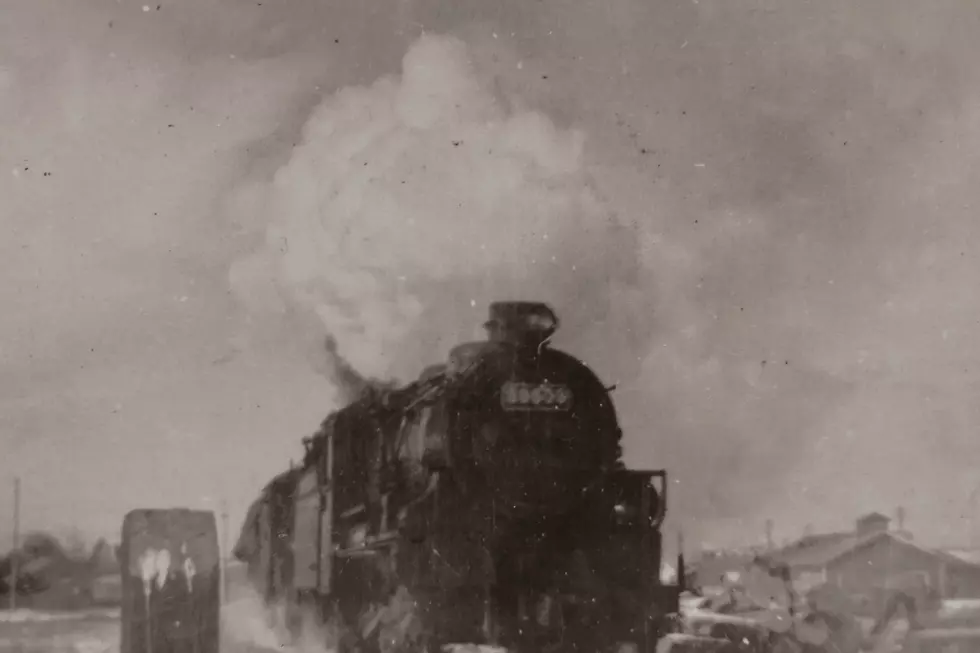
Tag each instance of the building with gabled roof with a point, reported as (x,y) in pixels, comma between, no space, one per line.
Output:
(811,552)
(970,555)
(873,559)
(105,573)
(104,559)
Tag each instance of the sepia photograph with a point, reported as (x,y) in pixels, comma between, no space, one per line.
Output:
(489,326)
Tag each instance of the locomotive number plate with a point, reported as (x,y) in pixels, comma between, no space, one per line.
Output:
(515,395)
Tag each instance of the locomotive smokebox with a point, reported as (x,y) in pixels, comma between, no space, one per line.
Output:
(525,324)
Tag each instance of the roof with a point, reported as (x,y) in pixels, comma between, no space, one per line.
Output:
(871,538)
(873,516)
(103,559)
(969,556)
(822,550)
(815,550)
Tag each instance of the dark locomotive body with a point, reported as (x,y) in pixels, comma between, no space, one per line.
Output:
(484,503)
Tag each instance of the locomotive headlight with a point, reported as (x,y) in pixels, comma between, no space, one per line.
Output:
(627,647)
(562,396)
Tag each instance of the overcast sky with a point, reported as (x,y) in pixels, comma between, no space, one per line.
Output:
(756,216)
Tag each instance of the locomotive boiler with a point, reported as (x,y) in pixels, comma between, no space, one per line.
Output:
(484,503)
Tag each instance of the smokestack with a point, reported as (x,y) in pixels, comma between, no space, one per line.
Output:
(520,323)
(769,540)
(900,519)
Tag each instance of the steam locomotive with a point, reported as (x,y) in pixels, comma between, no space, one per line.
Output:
(485,503)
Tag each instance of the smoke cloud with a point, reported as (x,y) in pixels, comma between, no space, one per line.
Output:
(769,238)
(248,620)
(728,227)
(413,202)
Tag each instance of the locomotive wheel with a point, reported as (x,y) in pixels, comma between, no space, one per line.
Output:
(393,627)
(171,587)
(400,624)
(345,635)
(785,644)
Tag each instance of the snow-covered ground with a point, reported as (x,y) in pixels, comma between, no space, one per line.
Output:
(28,631)
(35,616)
(245,629)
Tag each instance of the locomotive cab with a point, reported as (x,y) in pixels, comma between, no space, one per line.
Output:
(632,556)
(638,505)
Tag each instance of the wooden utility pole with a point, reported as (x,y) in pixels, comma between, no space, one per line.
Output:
(224,551)
(973,509)
(14,553)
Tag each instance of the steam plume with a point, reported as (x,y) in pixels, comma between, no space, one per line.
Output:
(248,621)
(411,203)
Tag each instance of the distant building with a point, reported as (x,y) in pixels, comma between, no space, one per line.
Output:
(105,574)
(871,560)
(708,572)
(971,556)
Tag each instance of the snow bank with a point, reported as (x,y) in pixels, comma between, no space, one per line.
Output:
(35,616)
(60,644)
